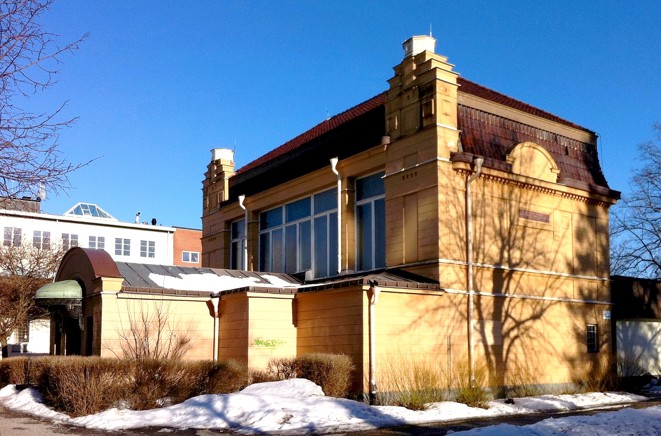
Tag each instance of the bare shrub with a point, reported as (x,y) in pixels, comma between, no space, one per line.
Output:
(152,334)
(412,383)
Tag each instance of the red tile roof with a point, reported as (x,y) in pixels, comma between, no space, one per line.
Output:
(473,88)
(318,130)
(485,134)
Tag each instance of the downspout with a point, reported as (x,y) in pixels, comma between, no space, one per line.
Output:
(215,303)
(242,198)
(333,163)
(373,297)
(477,168)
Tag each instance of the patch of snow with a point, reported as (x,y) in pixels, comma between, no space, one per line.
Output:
(299,406)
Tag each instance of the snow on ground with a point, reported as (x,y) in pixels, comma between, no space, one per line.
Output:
(299,406)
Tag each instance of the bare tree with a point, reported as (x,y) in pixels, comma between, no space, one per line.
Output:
(636,221)
(23,270)
(29,59)
(151,334)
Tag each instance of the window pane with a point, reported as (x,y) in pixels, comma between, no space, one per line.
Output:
(332,242)
(379,233)
(291,238)
(270,218)
(265,252)
(304,248)
(371,186)
(321,246)
(238,229)
(195,257)
(326,200)
(185,256)
(277,249)
(236,261)
(364,237)
(297,210)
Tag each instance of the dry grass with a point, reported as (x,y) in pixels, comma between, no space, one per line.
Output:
(412,383)
(522,381)
(472,394)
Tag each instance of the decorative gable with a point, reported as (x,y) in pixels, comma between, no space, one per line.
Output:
(532,160)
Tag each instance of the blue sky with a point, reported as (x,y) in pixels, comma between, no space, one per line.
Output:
(158,84)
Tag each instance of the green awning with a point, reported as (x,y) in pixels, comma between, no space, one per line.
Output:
(64,290)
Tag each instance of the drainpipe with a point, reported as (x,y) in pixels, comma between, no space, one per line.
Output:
(333,163)
(215,305)
(242,198)
(373,298)
(477,168)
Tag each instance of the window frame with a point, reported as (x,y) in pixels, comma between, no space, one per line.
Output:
(288,225)
(122,247)
(147,249)
(69,240)
(13,237)
(592,338)
(97,242)
(190,256)
(375,262)
(41,239)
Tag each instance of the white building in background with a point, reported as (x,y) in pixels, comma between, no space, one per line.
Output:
(87,225)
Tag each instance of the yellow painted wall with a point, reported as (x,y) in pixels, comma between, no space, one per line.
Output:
(121,313)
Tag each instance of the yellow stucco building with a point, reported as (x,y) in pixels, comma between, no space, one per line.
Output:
(455,191)
(439,221)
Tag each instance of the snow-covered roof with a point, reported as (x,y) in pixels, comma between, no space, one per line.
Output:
(202,280)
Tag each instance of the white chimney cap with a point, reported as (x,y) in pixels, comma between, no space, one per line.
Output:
(418,44)
(222,153)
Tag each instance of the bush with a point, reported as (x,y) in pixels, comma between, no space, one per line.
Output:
(21,370)
(84,385)
(80,385)
(330,371)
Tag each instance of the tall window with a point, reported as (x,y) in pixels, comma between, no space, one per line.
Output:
(147,249)
(122,247)
(41,239)
(300,236)
(97,242)
(13,237)
(238,237)
(69,240)
(370,223)
(591,338)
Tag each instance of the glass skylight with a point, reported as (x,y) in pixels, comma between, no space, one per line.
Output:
(89,210)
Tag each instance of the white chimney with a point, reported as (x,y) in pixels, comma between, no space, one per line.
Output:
(222,154)
(418,44)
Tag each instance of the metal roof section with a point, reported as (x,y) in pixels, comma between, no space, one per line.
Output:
(392,278)
(201,280)
(89,210)
(204,281)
